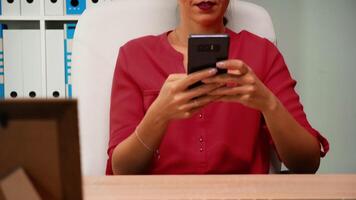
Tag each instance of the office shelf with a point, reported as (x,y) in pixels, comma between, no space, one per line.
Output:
(40,22)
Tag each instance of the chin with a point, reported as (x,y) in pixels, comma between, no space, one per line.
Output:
(208,20)
(209,17)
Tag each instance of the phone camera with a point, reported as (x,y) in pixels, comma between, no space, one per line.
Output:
(209,48)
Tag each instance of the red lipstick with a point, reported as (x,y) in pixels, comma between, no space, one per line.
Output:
(206,5)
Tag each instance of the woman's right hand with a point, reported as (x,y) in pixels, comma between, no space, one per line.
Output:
(175,101)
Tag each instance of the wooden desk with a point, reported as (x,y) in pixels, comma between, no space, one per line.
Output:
(215,187)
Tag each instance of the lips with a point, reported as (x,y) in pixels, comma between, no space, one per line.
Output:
(206,5)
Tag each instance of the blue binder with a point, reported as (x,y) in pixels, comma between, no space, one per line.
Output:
(75,7)
(2,75)
(69,34)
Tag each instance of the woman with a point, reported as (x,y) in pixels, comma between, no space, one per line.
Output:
(227,125)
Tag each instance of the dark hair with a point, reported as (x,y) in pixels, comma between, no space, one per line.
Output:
(225,21)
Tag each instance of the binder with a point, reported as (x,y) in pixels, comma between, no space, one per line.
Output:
(10,7)
(55,64)
(2,86)
(54,7)
(31,64)
(69,34)
(93,3)
(30,7)
(13,80)
(75,7)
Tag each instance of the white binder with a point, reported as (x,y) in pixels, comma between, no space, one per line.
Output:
(10,7)
(93,3)
(54,7)
(31,64)
(30,7)
(55,64)
(13,80)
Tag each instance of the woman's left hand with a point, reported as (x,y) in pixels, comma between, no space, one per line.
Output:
(243,86)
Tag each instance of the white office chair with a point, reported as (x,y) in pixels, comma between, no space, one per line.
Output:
(99,34)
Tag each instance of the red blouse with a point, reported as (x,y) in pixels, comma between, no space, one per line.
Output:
(224,138)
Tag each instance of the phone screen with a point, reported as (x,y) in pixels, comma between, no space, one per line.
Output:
(204,51)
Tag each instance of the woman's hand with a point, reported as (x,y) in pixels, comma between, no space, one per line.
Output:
(243,86)
(175,101)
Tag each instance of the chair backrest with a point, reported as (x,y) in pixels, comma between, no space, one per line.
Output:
(99,34)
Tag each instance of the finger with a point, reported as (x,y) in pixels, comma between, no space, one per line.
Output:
(222,79)
(233,64)
(185,96)
(174,77)
(199,91)
(197,76)
(235,72)
(196,110)
(199,102)
(229,99)
(243,98)
(231,78)
(240,90)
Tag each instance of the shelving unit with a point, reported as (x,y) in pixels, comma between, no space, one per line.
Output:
(41,22)
(40,18)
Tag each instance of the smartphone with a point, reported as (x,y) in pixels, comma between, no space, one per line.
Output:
(204,51)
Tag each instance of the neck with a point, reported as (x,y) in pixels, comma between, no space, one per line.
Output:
(186,28)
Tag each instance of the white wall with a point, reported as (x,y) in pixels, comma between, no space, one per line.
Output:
(318,41)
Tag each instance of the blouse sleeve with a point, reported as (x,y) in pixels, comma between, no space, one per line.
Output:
(280,82)
(126,108)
